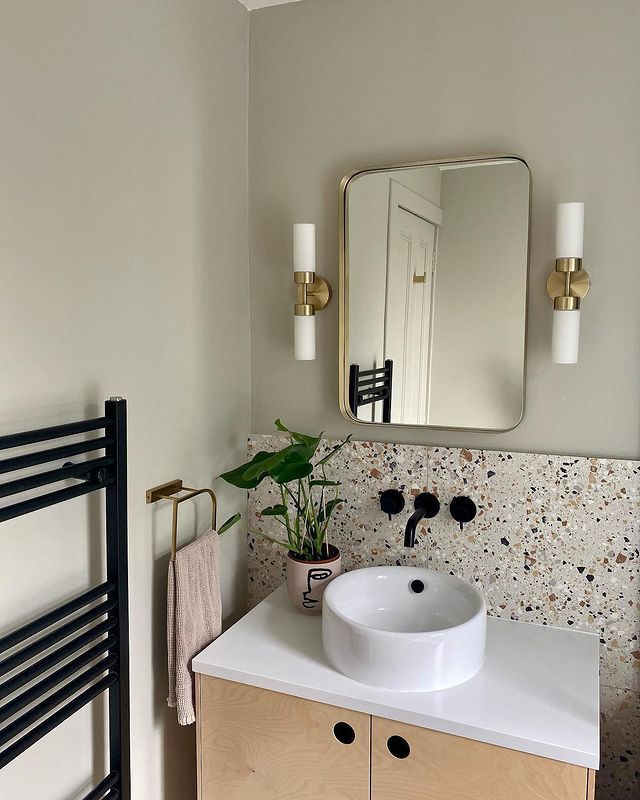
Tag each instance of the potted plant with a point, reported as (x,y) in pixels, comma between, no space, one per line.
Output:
(308,498)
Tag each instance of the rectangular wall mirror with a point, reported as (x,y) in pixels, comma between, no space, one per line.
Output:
(434,263)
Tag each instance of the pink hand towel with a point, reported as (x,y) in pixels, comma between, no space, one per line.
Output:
(194,617)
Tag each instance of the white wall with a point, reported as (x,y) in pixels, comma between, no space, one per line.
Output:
(123,256)
(368,219)
(337,86)
(480,298)
(368,211)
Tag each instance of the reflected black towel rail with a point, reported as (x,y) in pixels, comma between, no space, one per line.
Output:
(371,386)
(40,687)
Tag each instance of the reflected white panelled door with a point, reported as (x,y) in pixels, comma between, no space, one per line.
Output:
(410,277)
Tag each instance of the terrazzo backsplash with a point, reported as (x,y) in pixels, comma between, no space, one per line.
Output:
(555,541)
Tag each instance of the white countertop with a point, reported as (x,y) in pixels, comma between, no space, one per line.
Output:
(537,692)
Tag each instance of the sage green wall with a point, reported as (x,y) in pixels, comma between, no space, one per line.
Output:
(339,85)
(124,263)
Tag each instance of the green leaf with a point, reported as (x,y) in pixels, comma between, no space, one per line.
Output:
(236,478)
(274,511)
(299,452)
(229,523)
(291,471)
(325,513)
(262,466)
(302,438)
(318,482)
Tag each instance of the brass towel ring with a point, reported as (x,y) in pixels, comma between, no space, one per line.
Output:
(167,491)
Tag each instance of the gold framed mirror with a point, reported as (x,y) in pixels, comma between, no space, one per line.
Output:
(434,260)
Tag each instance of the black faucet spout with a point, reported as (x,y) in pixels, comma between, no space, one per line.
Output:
(426,505)
(412,524)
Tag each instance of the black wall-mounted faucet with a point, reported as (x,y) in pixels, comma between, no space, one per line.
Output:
(427,506)
(462,509)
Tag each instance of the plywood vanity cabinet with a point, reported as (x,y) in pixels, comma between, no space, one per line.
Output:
(443,767)
(275,721)
(256,744)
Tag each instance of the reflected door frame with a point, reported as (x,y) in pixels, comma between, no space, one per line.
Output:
(402,199)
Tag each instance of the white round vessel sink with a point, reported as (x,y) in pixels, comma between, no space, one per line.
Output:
(404,628)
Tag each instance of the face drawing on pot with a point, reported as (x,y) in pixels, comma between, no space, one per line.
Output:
(315,582)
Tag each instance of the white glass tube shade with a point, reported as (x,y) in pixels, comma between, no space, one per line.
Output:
(569,230)
(304,247)
(565,337)
(304,338)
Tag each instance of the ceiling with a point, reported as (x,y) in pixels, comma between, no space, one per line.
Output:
(252,4)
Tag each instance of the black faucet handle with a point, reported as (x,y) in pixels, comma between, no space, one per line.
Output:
(391,501)
(462,509)
(428,502)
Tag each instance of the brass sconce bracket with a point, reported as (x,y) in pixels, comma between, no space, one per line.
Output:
(314,293)
(568,284)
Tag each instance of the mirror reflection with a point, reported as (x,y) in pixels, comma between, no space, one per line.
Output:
(435,261)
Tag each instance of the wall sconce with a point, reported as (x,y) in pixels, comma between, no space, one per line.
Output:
(314,292)
(568,283)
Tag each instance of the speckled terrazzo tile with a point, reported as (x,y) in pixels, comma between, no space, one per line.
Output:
(594,512)
(363,533)
(265,561)
(619,774)
(553,494)
(366,469)
(502,525)
(505,479)
(610,513)
(575,589)
(620,661)
(266,441)
(266,570)
(551,602)
(562,575)
(456,472)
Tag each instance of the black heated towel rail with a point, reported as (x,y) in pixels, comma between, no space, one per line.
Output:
(371,386)
(65,658)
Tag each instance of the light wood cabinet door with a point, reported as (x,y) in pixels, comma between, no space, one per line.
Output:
(435,766)
(254,744)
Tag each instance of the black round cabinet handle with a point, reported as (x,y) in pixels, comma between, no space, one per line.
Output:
(344,733)
(398,746)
